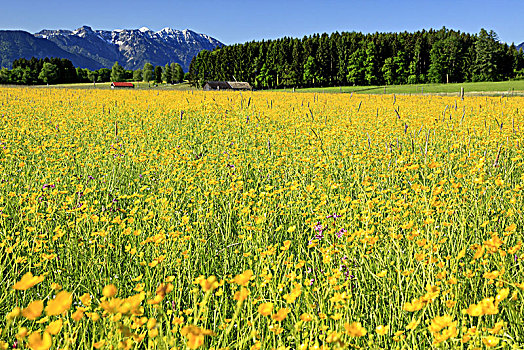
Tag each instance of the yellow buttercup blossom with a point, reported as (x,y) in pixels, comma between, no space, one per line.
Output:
(209,284)
(413,324)
(502,294)
(78,314)
(33,310)
(39,342)
(22,333)
(54,327)
(305,317)
(242,294)
(281,314)
(243,278)
(61,303)
(265,309)
(195,336)
(109,291)
(382,273)
(414,305)
(28,281)
(497,328)
(485,307)
(440,322)
(13,313)
(355,329)
(382,330)
(490,341)
(99,344)
(86,299)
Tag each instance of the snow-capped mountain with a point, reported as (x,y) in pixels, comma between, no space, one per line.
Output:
(132,48)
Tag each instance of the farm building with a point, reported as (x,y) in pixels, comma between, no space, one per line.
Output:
(226,85)
(121,85)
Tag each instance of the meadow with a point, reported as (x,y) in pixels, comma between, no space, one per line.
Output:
(509,87)
(259,220)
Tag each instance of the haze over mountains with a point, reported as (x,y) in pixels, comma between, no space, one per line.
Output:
(94,49)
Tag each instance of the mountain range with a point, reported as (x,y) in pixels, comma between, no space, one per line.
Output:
(521,46)
(95,49)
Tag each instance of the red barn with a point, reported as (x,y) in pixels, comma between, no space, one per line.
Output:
(121,85)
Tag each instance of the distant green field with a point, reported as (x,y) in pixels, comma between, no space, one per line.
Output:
(503,87)
(138,85)
(515,87)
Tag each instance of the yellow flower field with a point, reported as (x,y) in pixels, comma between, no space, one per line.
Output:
(264,220)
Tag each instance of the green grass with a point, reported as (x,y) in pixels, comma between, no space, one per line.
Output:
(138,85)
(120,188)
(502,87)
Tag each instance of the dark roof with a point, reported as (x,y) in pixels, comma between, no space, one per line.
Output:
(218,84)
(121,84)
(226,85)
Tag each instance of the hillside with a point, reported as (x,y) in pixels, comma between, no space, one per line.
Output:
(20,44)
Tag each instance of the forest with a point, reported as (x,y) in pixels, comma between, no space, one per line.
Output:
(56,70)
(351,58)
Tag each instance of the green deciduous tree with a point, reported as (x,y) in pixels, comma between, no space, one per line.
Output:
(117,72)
(92,76)
(147,72)
(311,73)
(49,73)
(388,71)
(137,75)
(264,77)
(370,69)
(356,70)
(5,76)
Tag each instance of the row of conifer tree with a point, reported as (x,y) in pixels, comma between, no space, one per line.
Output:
(350,58)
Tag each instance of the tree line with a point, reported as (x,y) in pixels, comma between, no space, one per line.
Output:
(351,58)
(55,70)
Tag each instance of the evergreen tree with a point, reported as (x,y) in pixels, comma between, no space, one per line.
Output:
(167,75)
(355,58)
(158,74)
(177,72)
(486,66)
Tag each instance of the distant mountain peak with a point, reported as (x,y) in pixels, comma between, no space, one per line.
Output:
(132,47)
(83,31)
(167,30)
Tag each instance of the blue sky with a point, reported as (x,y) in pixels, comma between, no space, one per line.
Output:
(238,21)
